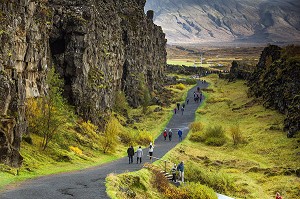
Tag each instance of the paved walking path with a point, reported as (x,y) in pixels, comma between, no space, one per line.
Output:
(90,183)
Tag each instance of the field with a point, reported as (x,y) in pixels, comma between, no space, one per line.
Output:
(213,57)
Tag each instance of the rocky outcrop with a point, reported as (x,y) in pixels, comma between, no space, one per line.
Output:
(187,70)
(23,58)
(238,70)
(97,47)
(276,80)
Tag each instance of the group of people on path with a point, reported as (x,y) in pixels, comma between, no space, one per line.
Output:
(198,95)
(178,108)
(139,153)
(170,134)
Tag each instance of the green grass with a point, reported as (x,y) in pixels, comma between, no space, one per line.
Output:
(58,157)
(186,62)
(256,168)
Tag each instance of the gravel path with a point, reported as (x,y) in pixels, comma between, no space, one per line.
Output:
(90,183)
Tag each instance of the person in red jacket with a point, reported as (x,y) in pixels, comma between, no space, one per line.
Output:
(165,134)
(278,196)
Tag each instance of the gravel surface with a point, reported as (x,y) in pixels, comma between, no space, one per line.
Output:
(90,183)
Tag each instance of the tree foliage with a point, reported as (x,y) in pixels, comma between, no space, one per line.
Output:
(109,138)
(47,115)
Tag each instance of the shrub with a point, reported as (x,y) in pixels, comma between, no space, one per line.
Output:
(180,86)
(196,126)
(109,138)
(237,135)
(190,81)
(196,137)
(76,150)
(218,181)
(215,136)
(195,190)
(121,105)
(143,137)
(126,137)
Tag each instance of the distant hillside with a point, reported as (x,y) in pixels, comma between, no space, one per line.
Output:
(193,21)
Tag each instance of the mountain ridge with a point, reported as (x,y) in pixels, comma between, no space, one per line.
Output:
(197,21)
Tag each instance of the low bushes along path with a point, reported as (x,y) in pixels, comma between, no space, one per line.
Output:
(90,183)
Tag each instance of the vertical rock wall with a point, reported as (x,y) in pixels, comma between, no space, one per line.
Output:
(23,59)
(276,80)
(97,46)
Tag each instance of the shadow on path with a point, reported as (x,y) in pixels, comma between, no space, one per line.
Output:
(90,183)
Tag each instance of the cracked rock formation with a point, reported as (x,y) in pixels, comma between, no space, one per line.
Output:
(98,47)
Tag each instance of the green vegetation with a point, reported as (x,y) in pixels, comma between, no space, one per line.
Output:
(79,144)
(257,159)
(150,183)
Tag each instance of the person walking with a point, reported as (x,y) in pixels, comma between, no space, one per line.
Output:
(182,109)
(180,168)
(187,101)
(139,155)
(173,171)
(278,196)
(175,110)
(151,147)
(180,135)
(165,134)
(170,134)
(183,105)
(130,152)
(178,105)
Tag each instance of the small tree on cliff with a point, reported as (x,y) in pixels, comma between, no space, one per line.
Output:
(54,112)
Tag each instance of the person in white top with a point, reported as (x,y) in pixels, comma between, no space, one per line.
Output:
(151,147)
(139,155)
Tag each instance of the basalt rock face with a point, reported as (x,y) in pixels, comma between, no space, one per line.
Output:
(98,47)
(276,80)
(239,70)
(23,59)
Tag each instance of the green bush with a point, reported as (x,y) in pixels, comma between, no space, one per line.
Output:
(196,190)
(190,81)
(218,181)
(196,137)
(196,126)
(143,137)
(237,135)
(215,136)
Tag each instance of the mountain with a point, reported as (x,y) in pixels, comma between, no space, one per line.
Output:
(196,21)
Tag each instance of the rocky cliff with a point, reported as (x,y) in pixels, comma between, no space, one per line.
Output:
(276,80)
(97,47)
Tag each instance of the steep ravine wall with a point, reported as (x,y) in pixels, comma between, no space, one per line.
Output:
(97,46)
(276,80)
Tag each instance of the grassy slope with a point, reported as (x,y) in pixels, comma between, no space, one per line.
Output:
(257,169)
(258,166)
(59,158)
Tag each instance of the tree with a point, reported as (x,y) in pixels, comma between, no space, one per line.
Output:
(109,139)
(54,112)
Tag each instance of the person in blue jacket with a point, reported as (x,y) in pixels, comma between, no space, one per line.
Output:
(180,168)
(180,135)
